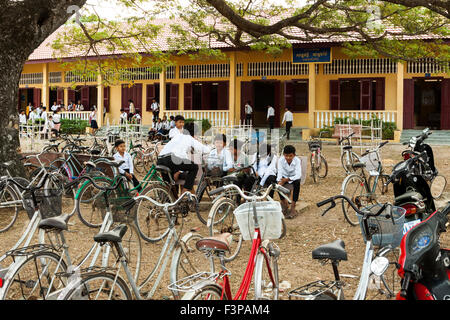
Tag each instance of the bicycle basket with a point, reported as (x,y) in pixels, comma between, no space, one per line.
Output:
(389,231)
(269,215)
(371,160)
(49,201)
(314,145)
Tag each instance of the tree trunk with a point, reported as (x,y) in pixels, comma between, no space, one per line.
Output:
(24,25)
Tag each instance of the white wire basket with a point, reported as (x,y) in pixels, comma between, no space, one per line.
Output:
(269,214)
(371,160)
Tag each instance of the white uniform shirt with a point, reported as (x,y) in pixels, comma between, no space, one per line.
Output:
(174,132)
(124,116)
(270,112)
(128,162)
(56,118)
(94,115)
(155,106)
(222,160)
(33,116)
(267,167)
(172,124)
(22,118)
(248,109)
(132,108)
(181,146)
(288,117)
(44,115)
(292,171)
(54,107)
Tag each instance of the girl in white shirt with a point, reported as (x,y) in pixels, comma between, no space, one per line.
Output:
(265,165)
(271,117)
(220,159)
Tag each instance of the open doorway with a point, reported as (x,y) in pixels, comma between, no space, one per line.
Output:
(427,103)
(265,94)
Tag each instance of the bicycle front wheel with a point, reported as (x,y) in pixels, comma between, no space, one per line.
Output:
(354,188)
(36,278)
(266,274)
(104,286)
(222,220)
(322,169)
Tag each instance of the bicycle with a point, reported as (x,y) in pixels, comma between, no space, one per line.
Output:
(222,220)
(319,166)
(381,226)
(348,157)
(101,283)
(363,189)
(41,271)
(263,256)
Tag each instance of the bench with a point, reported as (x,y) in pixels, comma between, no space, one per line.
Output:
(344,130)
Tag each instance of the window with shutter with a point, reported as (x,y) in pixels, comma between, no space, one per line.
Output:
(334,95)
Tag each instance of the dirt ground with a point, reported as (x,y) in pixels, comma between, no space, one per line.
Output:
(304,233)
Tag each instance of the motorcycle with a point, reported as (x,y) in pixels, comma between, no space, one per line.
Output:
(428,169)
(411,190)
(423,265)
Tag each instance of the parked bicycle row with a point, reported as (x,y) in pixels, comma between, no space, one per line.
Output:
(107,195)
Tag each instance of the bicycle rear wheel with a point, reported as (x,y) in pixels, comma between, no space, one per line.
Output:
(222,220)
(207,292)
(347,161)
(322,170)
(104,286)
(354,188)
(314,172)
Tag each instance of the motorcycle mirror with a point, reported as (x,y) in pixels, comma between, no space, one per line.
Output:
(426,130)
(379,266)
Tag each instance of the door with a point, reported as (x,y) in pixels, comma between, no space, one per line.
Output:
(106,93)
(71,95)
(37,97)
(85,98)
(223,95)
(60,96)
(247,94)
(174,93)
(366,94)
(151,94)
(445,104)
(188,96)
(408,104)
(334,95)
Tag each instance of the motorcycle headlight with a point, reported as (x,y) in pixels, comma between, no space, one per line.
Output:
(379,266)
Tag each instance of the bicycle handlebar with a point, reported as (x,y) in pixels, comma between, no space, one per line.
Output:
(333,204)
(406,163)
(250,198)
(346,138)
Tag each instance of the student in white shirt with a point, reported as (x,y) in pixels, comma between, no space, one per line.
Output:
(57,121)
(93,118)
(23,118)
(44,114)
(132,109)
(290,172)
(248,113)
(176,155)
(29,109)
(32,116)
(155,109)
(165,126)
(220,159)
(171,122)
(271,117)
(123,116)
(54,107)
(179,125)
(288,118)
(49,126)
(127,168)
(79,106)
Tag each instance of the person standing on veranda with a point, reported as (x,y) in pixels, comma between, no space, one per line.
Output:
(132,110)
(248,113)
(155,110)
(288,119)
(271,117)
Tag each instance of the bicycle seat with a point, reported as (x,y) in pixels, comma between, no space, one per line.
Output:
(116,164)
(59,223)
(333,251)
(358,165)
(347,147)
(5,165)
(115,235)
(231,179)
(218,244)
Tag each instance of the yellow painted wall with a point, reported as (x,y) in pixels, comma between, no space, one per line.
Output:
(300,119)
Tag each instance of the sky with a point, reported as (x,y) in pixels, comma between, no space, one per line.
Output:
(110,9)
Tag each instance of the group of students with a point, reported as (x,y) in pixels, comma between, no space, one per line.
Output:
(180,152)
(162,126)
(52,122)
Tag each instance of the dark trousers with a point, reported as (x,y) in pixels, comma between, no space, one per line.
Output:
(134,180)
(272,122)
(248,119)
(176,164)
(288,128)
(155,115)
(296,192)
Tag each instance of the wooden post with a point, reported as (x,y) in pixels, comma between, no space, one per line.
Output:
(400,89)
(45,88)
(312,94)
(100,100)
(232,89)
(162,93)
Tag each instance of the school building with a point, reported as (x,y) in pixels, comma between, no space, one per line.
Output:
(316,79)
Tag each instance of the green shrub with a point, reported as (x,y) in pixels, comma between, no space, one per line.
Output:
(326,132)
(73,126)
(206,125)
(388,130)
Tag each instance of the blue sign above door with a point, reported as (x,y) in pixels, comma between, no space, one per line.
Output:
(312,55)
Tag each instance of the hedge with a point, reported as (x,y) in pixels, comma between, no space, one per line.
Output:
(73,126)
